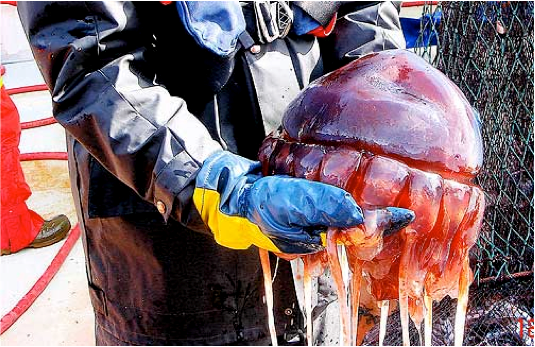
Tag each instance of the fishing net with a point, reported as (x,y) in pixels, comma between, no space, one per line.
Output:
(486,48)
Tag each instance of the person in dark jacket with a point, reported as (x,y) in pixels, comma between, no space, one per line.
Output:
(165,106)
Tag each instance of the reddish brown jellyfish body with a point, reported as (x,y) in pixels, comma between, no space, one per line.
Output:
(394,132)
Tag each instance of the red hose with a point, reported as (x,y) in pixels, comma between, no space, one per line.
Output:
(37,123)
(417,3)
(27,300)
(26,89)
(43,156)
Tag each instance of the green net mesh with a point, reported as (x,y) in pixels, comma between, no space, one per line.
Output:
(486,48)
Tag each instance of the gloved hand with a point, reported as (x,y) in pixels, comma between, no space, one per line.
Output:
(278,213)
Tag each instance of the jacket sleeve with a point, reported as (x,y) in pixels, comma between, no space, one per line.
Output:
(362,28)
(93,57)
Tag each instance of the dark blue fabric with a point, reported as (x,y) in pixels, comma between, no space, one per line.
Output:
(303,23)
(292,212)
(412,28)
(215,25)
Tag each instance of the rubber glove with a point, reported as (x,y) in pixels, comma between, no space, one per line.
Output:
(278,213)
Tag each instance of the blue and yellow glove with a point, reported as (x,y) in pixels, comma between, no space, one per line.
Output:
(278,213)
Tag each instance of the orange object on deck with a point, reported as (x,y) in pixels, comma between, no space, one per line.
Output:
(20,225)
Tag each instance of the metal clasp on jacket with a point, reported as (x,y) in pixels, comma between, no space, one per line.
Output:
(273,20)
